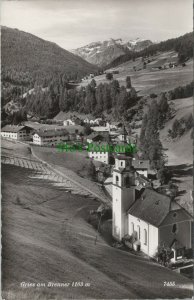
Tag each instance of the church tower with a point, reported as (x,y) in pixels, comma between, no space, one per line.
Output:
(123,194)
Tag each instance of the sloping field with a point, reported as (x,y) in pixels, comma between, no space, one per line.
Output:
(180,154)
(11,147)
(46,238)
(73,165)
(152,81)
(179,150)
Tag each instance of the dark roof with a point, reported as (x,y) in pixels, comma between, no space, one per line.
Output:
(116,123)
(151,207)
(123,157)
(47,133)
(94,135)
(73,128)
(141,181)
(176,215)
(141,164)
(13,128)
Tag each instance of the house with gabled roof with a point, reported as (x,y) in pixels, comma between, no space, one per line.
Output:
(141,166)
(16,132)
(50,137)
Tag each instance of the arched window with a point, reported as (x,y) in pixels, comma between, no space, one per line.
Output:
(145,237)
(138,232)
(117,179)
(127,181)
(174,228)
(132,227)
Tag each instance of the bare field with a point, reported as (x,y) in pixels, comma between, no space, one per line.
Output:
(46,238)
(151,81)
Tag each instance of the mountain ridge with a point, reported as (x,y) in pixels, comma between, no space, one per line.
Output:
(24,52)
(102,53)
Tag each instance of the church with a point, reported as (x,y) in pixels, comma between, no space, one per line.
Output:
(153,219)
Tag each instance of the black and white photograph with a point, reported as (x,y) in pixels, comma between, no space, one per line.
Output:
(96,149)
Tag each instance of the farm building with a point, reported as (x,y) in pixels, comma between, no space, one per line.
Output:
(46,137)
(68,122)
(147,219)
(17,132)
(98,137)
(113,125)
(100,129)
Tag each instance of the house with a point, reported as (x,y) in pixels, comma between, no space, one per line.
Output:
(17,132)
(68,122)
(97,137)
(141,166)
(122,136)
(100,129)
(50,137)
(113,126)
(98,140)
(101,156)
(75,132)
(151,219)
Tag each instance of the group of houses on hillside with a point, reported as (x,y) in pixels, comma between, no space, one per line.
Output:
(42,135)
(52,134)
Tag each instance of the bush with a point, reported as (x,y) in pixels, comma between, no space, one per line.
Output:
(109,76)
(152,96)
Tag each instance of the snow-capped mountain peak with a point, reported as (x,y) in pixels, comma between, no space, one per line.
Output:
(102,53)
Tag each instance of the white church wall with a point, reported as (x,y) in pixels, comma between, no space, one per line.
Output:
(146,233)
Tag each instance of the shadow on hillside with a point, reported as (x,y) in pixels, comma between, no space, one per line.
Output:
(182,170)
(181,193)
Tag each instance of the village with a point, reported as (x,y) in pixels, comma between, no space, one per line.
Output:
(96,149)
(145,217)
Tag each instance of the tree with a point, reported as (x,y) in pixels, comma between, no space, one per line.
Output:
(163,103)
(133,94)
(189,122)
(150,144)
(128,82)
(109,76)
(91,170)
(123,100)
(93,83)
(164,175)
(87,129)
(175,128)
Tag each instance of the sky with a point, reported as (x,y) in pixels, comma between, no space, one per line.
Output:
(75,23)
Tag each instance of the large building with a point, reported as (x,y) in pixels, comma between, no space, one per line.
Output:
(98,140)
(45,137)
(149,218)
(99,156)
(17,132)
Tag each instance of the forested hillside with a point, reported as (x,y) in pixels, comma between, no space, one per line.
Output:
(28,61)
(183,45)
(107,97)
